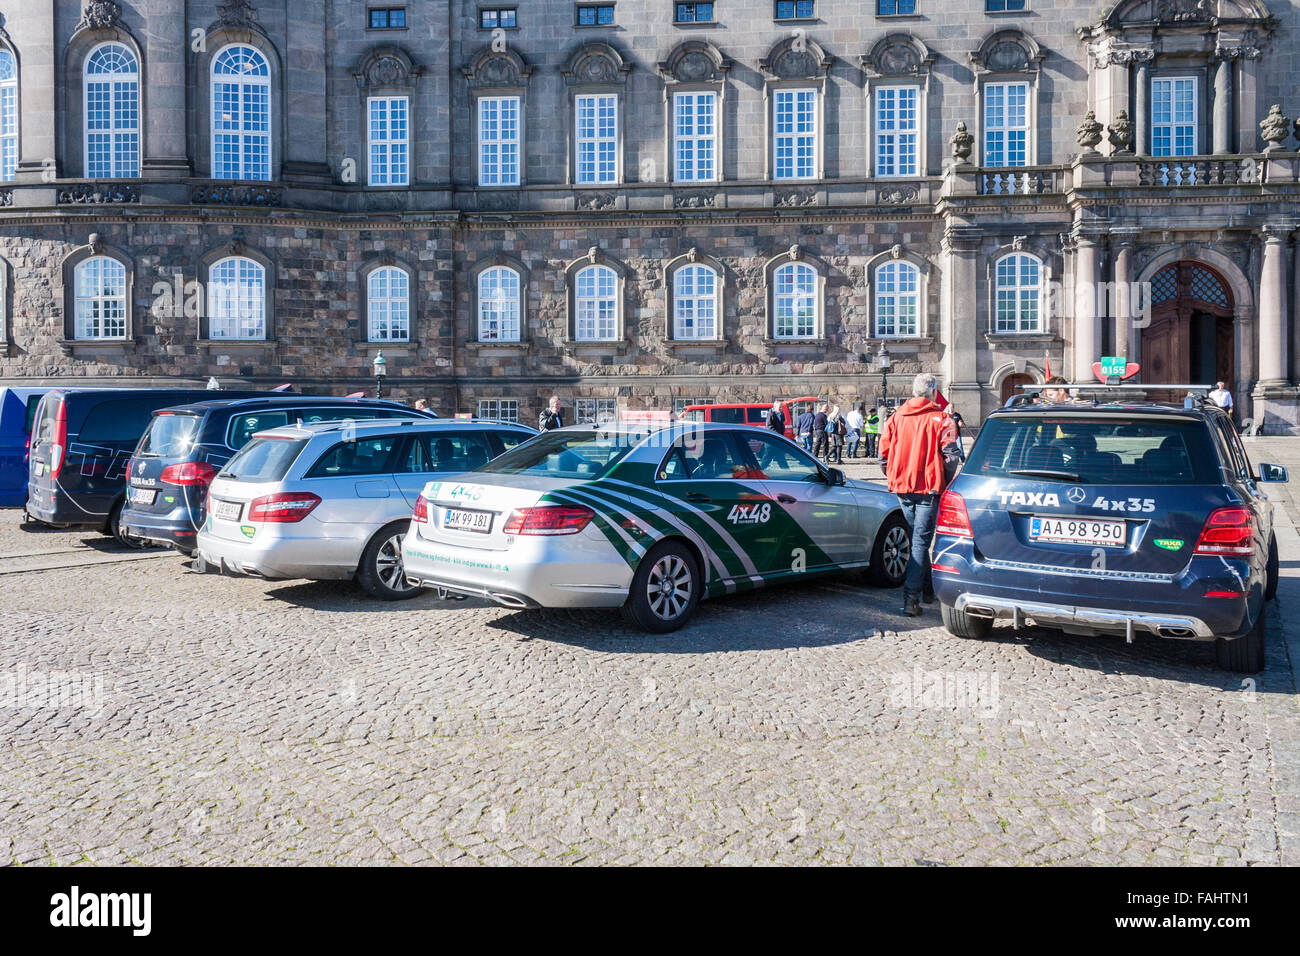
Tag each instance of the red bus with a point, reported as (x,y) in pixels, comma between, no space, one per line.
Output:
(750,413)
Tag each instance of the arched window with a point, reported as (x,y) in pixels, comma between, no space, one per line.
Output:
(695,303)
(388,305)
(595,304)
(241,114)
(112,112)
(8,115)
(794,301)
(1018,288)
(236,299)
(100,298)
(498,305)
(898,300)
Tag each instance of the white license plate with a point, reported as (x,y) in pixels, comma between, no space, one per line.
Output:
(1107,533)
(40,468)
(459,519)
(143,496)
(227,510)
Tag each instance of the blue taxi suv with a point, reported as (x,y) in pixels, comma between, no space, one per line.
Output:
(1111,518)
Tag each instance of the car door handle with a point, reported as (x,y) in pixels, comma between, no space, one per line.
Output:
(786,499)
(696,496)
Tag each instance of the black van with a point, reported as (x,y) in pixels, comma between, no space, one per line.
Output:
(81,440)
(183,447)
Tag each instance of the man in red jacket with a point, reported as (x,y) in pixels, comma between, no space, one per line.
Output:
(912,446)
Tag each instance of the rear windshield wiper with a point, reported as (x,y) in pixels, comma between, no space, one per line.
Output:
(1047,473)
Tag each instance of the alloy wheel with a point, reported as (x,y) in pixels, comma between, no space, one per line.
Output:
(669,587)
(895,552)
(389,567)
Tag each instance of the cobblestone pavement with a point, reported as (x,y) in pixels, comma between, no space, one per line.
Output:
(219,720)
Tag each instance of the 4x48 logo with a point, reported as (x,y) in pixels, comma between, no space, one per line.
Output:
(750,514)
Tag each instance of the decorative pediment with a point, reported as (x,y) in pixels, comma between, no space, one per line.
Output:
(386,67)
(795,58)
(1008,51)
(695,61)
(594,64)
(1164,12)
(497,68)
(899,54)
(237,13)
(100,15)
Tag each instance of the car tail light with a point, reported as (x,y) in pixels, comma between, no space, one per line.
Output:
(548,519)
(947,568)
(421,512)
(285,507)
(953,518)
(189,473)
(59,447)
(1228,531)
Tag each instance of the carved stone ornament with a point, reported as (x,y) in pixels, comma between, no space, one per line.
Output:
(896,251)
(1089,132)
(792,63)
(897,195)
(1297,128)
(387,70)
(694,67)
(96,194)
(797,197)
(1120,133)
(1018,243)
(794,252)
(1007,56)
(692,254)
(1183,11)
(93,242)
(595,68)
(237,246)
(237,13)
(962,143)
(592,254)
(1274,127)
(694,200)
(898,57)
(596,201)
(100,15)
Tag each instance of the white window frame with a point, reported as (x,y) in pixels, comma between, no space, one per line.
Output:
(799,166)
(699,308)
(894,138)
(890,297)
(8,115)
(1020,295)
(90,308)
(988,103)
(590,318)
(388,309)
(594,411)
(590,136)
(502,409)
(1172,125)
(247,141)
(785,302)
(246,322)
(498,140)
(499,318)
(123,93)
(695,169)
(388,141)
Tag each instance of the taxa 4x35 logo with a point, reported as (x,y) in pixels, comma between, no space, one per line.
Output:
(750,514)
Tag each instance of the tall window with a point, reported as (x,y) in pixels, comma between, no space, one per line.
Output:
(498,305)
(8,115)
(695,303)
(1018,293)
(241,114)
(794,301)
(112,113)
(595,304)
(389,137)
(795,126)
(897,299)
(1006,124)
(498,141)
(100,300)
(1173,116)
(897,130)
(236,299)
(695,137)
(597,137)
(388,305)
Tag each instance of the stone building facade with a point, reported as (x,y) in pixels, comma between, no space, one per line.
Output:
(643,203)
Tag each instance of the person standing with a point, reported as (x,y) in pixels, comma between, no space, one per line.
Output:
(821,441)
(913,446)
(552,417)
(776,420)
(1222,397)
(805,429)
(839,431)
(855,420)
(871,430)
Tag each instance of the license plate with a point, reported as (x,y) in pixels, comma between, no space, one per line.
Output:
(227,510)
(143,496)
(1108,534)
(459,519)
(40,468)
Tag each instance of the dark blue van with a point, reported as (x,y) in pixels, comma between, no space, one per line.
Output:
(17,413)
(182,449)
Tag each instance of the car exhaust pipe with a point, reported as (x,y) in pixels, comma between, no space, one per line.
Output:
(1181,633)
(978,610)
(509,600)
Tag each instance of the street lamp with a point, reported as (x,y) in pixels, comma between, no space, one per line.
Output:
(883,361)
(381,369)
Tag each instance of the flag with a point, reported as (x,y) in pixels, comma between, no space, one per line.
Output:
(1048,356)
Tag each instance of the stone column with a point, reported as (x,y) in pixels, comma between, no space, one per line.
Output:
(166,44)
(305,153)
(1222,129)
(958,320)
(1142,106)
(1085,307)
(1122,277)
(1273,309)
(38,108)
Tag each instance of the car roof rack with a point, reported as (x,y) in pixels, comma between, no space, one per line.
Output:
(1201,393)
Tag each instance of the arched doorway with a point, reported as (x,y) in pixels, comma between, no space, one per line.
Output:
(1012,383)
(1190,339)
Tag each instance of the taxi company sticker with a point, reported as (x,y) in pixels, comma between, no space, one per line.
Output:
(750,514)
(1169,544)
(170,499)
(248,530)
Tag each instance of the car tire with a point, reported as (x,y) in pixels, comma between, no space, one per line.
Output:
(890,553)
(665,589)
(115,530)
(1271,571)
(381,573)
(1244,655)
(961,624)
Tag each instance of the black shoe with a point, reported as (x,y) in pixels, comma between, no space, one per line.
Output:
(927,597)
(911,607)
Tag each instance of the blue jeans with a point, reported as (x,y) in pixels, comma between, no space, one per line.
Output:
(853,438)
(806,438)
(920,512)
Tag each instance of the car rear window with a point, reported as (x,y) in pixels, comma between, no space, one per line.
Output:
(118,420)
(245,426)
(562,454)
(1112,450)
(264,459)
(170,436)
(33,403)
(47,415)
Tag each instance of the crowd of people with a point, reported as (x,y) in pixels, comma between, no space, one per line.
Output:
(829,434)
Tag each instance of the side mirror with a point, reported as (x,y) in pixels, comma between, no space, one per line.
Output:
(1273,473)
(834,477)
